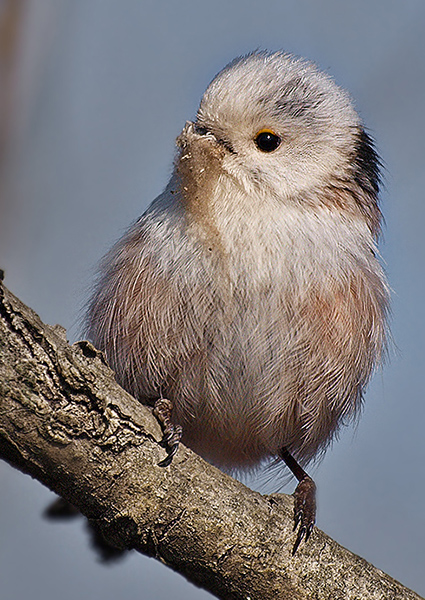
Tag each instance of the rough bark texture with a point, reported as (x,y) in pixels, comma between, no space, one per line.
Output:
(65,421)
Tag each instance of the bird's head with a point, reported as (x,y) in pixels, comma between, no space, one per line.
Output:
(279,128)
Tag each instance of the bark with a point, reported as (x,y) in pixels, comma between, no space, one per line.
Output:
(65,421)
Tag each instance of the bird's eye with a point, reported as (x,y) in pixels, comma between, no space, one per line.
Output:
(267,141)
(200,129)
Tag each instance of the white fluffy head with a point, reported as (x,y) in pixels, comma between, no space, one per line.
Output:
(314,118)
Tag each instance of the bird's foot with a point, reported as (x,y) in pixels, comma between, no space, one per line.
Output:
(171,433)
(304,510)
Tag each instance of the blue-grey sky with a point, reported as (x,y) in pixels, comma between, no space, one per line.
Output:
(103,89)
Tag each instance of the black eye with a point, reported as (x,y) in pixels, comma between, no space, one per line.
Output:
(201,129)
(267,141)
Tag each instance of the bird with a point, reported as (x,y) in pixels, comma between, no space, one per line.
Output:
(248,305)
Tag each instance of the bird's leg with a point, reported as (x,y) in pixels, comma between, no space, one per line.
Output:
(171,433)
(304,499)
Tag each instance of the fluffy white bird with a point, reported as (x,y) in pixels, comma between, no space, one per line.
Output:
(248,304)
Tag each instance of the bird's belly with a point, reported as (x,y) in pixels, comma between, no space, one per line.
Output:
(280,374)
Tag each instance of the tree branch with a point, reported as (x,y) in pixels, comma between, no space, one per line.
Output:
(65,421)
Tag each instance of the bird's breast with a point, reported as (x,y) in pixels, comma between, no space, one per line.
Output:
(297,323)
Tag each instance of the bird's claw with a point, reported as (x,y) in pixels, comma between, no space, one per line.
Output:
(171,433)
(304,510)
(170,442)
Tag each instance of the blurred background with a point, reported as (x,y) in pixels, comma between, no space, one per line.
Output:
(92,96)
